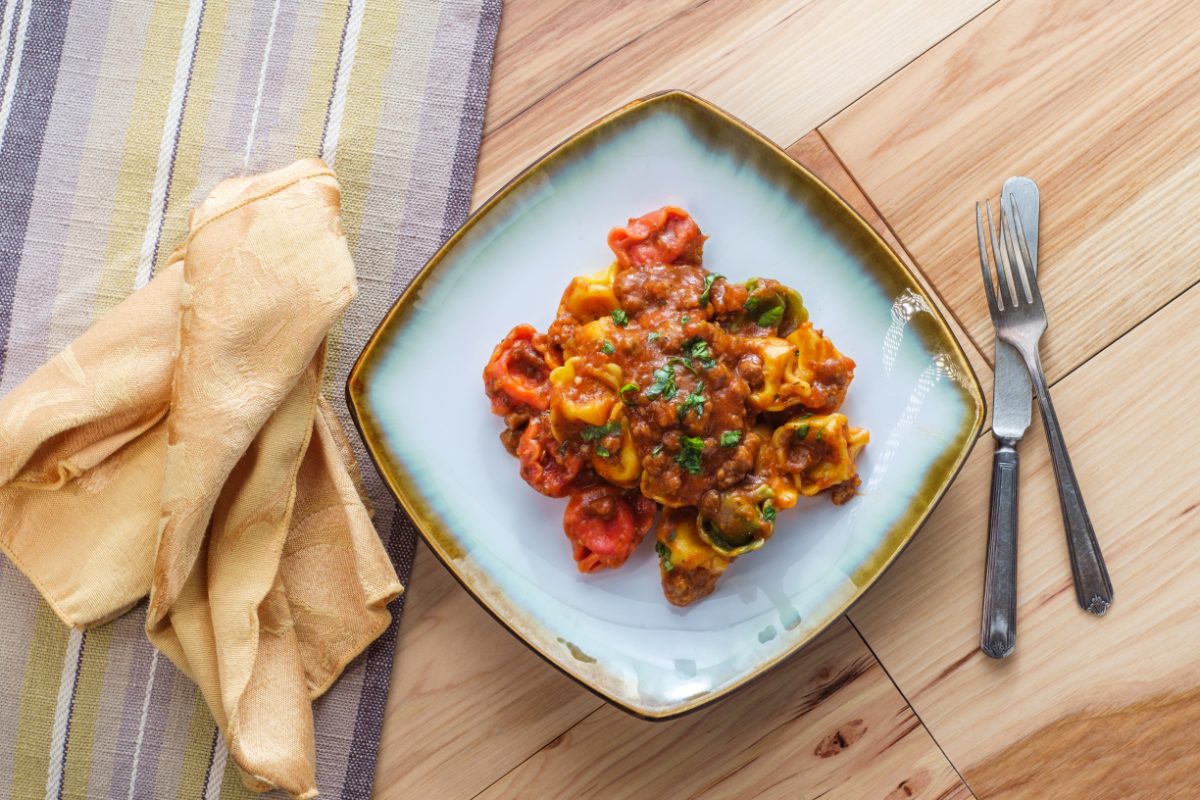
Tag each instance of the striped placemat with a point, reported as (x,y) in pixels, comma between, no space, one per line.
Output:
(116,117)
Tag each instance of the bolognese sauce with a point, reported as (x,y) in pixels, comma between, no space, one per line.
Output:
(660,383)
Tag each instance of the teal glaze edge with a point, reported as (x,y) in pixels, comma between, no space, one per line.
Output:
(894,276)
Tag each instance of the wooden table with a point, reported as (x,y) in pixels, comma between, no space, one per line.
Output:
(912,110)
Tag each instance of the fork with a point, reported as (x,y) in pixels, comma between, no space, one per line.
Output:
(1020,320)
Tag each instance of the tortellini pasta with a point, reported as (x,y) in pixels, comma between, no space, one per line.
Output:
(808,455)
(802,369)
(581,395)
(590,297)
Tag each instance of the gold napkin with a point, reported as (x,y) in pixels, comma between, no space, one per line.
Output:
(181,448)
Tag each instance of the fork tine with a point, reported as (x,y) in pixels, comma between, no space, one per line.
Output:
(1004,287)
(1027,276)
(1019,265)
(983,264)
(1010,257)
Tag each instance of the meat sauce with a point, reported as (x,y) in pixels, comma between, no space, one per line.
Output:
(661,383)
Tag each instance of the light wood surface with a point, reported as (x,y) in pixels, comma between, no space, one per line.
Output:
(922,108)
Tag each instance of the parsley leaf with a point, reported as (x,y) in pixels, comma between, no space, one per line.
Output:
(819,435)
(686,363)
(593,433)
(768,510)
(602,451)
(664,555)
(771,317)
(664,383)
(626,389)
(607,348)
(801,431)
(731,438)
(620,317)
(751,304)
(690,451)
(695,400)
(698,349)
(683,320)
(708,282)
(653,337)
(658,448)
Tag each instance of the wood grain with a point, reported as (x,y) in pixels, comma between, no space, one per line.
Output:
(468,701)
(826,724)
(782,65)
(1087,708)
(1097,101)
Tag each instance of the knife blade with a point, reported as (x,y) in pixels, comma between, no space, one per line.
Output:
(1012,394)
(1012,405)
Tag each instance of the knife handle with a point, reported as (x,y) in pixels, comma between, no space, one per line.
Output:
(998,634)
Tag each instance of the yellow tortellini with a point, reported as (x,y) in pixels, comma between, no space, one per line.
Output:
(581,395)
(623,467)
(590,297)
(795,471)
(788,369)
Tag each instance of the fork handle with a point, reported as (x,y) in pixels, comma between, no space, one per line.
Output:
(1093,589)
(998,633)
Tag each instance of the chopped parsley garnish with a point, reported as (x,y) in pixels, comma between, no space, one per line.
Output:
(562,448)
(698,349)
(771,317)
(695,400)
(731,438)
(607,348)
(653,337)
(691,448)
(664,383)
(602,451)
(819,435)
(708,282)
(593,433)
(664,555)
(658,448)
(686,363)
(629,388)
(620,317)
(683,320)
(768,510)
(801,431)
(751,304)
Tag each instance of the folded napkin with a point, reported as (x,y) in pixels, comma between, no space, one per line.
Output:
(181,448)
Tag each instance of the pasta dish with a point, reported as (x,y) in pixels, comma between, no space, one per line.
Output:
(660,383)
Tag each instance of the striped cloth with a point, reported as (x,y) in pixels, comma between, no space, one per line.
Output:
(116,117)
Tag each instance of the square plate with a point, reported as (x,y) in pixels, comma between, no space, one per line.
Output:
(417,397)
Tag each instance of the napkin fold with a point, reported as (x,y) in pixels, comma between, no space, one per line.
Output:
(181,449)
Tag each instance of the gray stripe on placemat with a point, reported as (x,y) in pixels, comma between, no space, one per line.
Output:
(55,195)
(364,749)
(462,180)
(11,14)
(22,145)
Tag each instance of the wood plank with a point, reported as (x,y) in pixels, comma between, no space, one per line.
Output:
(784,66)
(542,44)
(828,723)
(1097,101)
(468,701)
(1087,708)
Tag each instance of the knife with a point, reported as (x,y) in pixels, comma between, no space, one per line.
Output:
(1012,405)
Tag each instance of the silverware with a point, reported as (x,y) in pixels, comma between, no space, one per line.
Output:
(1020,320)
(1012,408)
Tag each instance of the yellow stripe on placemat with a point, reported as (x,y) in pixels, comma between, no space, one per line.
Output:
(320,82)
(140,159)
(198,751)
(195,126)
(359,129)
(39,696)
(88,687)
